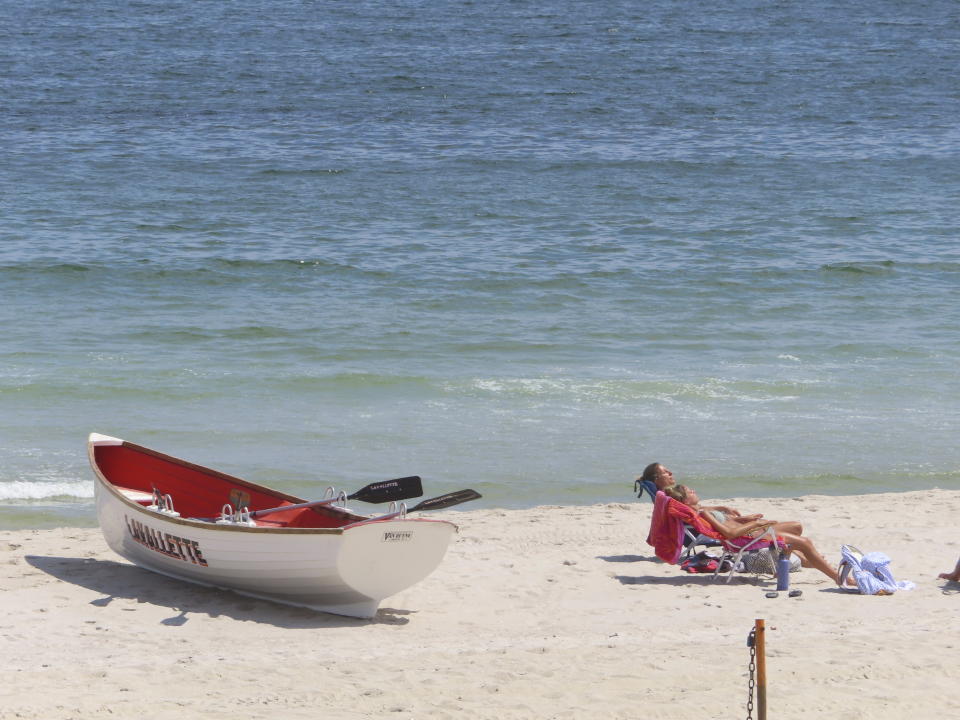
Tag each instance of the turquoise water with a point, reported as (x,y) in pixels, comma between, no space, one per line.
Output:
(521,247)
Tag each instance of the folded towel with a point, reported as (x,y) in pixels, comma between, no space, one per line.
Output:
(872,572)
(666,531)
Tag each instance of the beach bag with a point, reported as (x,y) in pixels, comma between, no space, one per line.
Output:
(871,571)
(704,562)
(761,562)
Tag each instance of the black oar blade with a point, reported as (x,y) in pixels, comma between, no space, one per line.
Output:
(445,501)
(389,490)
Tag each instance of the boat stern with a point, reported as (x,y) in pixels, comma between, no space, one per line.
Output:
(379,559)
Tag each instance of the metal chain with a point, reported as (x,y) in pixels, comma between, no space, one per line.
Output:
(751,684)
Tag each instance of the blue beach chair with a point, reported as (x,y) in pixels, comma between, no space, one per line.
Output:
(692,540)
(645,486)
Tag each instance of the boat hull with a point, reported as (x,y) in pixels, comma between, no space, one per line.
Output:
(344,570)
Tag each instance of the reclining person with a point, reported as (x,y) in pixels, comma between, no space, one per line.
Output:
(659,475)
(739,531)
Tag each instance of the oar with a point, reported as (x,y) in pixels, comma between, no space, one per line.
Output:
(437,503)
(445,501)
(379,492)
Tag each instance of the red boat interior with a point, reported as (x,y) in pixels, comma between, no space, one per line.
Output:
(199,492)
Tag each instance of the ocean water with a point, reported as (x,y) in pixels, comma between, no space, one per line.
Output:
(524,247)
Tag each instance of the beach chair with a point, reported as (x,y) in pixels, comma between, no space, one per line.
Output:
(691,539)
(736,551)
(668,534)
(672,539)
(648,487)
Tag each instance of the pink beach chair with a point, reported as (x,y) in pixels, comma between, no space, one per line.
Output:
(669,531)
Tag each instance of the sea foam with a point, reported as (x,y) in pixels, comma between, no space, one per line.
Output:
(40,490)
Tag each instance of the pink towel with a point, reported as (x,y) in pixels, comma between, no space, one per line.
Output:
(666,531)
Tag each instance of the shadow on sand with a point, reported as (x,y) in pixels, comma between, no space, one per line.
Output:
(687,579)
(694,580)
(121,581)
(627,558)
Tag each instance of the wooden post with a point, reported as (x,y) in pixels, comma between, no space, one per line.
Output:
(761,672)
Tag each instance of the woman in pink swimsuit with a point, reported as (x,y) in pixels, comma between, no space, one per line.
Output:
(739,530)
(659,475)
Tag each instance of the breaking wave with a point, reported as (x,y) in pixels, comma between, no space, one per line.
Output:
(26,490)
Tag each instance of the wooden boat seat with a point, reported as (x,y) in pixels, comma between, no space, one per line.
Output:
(138,496)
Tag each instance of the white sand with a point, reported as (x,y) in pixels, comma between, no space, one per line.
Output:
(553,612)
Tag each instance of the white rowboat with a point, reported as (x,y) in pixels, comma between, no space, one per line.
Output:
(203,526)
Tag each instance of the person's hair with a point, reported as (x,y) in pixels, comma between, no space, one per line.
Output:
(650,472)
(677,492)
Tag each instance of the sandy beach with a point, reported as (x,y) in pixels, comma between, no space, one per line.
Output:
(550,612)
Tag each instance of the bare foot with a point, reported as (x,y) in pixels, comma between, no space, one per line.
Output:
(952,577)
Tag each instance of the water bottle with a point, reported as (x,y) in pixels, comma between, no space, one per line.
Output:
(783,572)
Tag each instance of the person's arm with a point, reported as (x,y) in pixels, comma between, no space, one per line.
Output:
(732,529)
(732,512)
(746,518)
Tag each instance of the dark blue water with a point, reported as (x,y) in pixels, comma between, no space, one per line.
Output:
(524,247)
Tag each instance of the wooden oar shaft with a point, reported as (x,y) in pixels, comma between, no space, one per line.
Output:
(298,506)
(761,670)
(384,491)
(437,503)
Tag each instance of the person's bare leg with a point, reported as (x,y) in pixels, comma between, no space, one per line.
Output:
(791,526)
(810,556)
